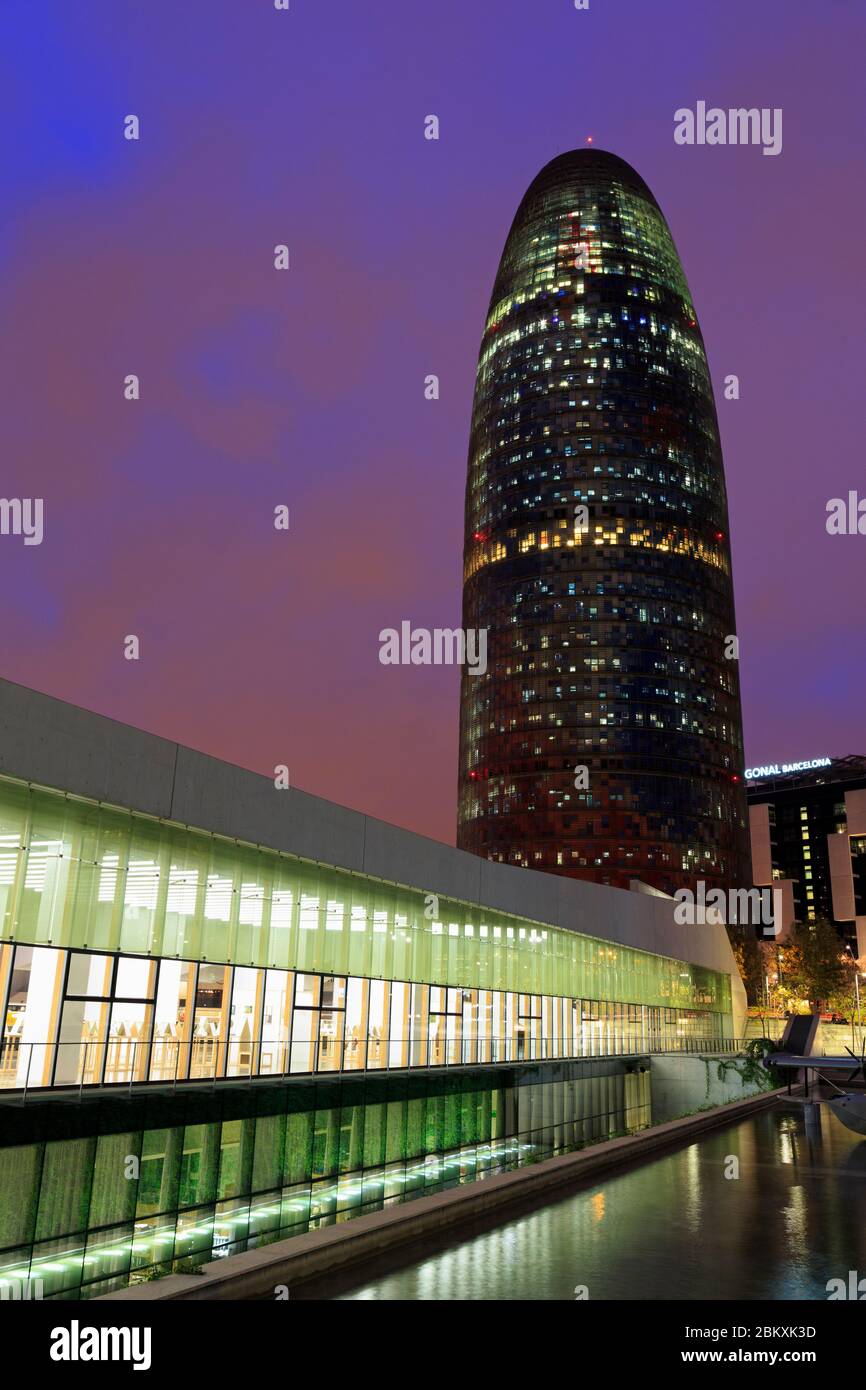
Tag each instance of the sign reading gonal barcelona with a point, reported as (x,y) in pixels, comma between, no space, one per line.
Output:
(784,769)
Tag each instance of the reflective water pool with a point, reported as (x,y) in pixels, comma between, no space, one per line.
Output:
(676,1227)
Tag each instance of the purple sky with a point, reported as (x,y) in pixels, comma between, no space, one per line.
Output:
(306,388)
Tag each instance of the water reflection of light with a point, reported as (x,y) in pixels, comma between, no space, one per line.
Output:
(692,1188)
(787,1152)
(795,1216)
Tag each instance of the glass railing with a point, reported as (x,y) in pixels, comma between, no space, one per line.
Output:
(29,1067)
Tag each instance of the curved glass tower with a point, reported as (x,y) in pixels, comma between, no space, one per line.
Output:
(604,740)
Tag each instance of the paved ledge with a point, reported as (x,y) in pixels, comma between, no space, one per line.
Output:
(256,1273)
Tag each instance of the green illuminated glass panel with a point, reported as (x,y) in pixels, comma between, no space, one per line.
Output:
(91,877)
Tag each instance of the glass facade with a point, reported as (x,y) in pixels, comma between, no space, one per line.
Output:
(597,555)
(80,1216)
(80,1019)
(134,949)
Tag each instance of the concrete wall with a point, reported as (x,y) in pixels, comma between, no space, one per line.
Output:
(54,744)
(682,1085)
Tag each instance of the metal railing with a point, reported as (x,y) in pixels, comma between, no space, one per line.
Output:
(28,1067)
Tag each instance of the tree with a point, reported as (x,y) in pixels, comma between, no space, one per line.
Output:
(844,999)
(812,964)
(749,956)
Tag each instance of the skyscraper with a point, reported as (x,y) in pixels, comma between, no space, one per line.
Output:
(604,740)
